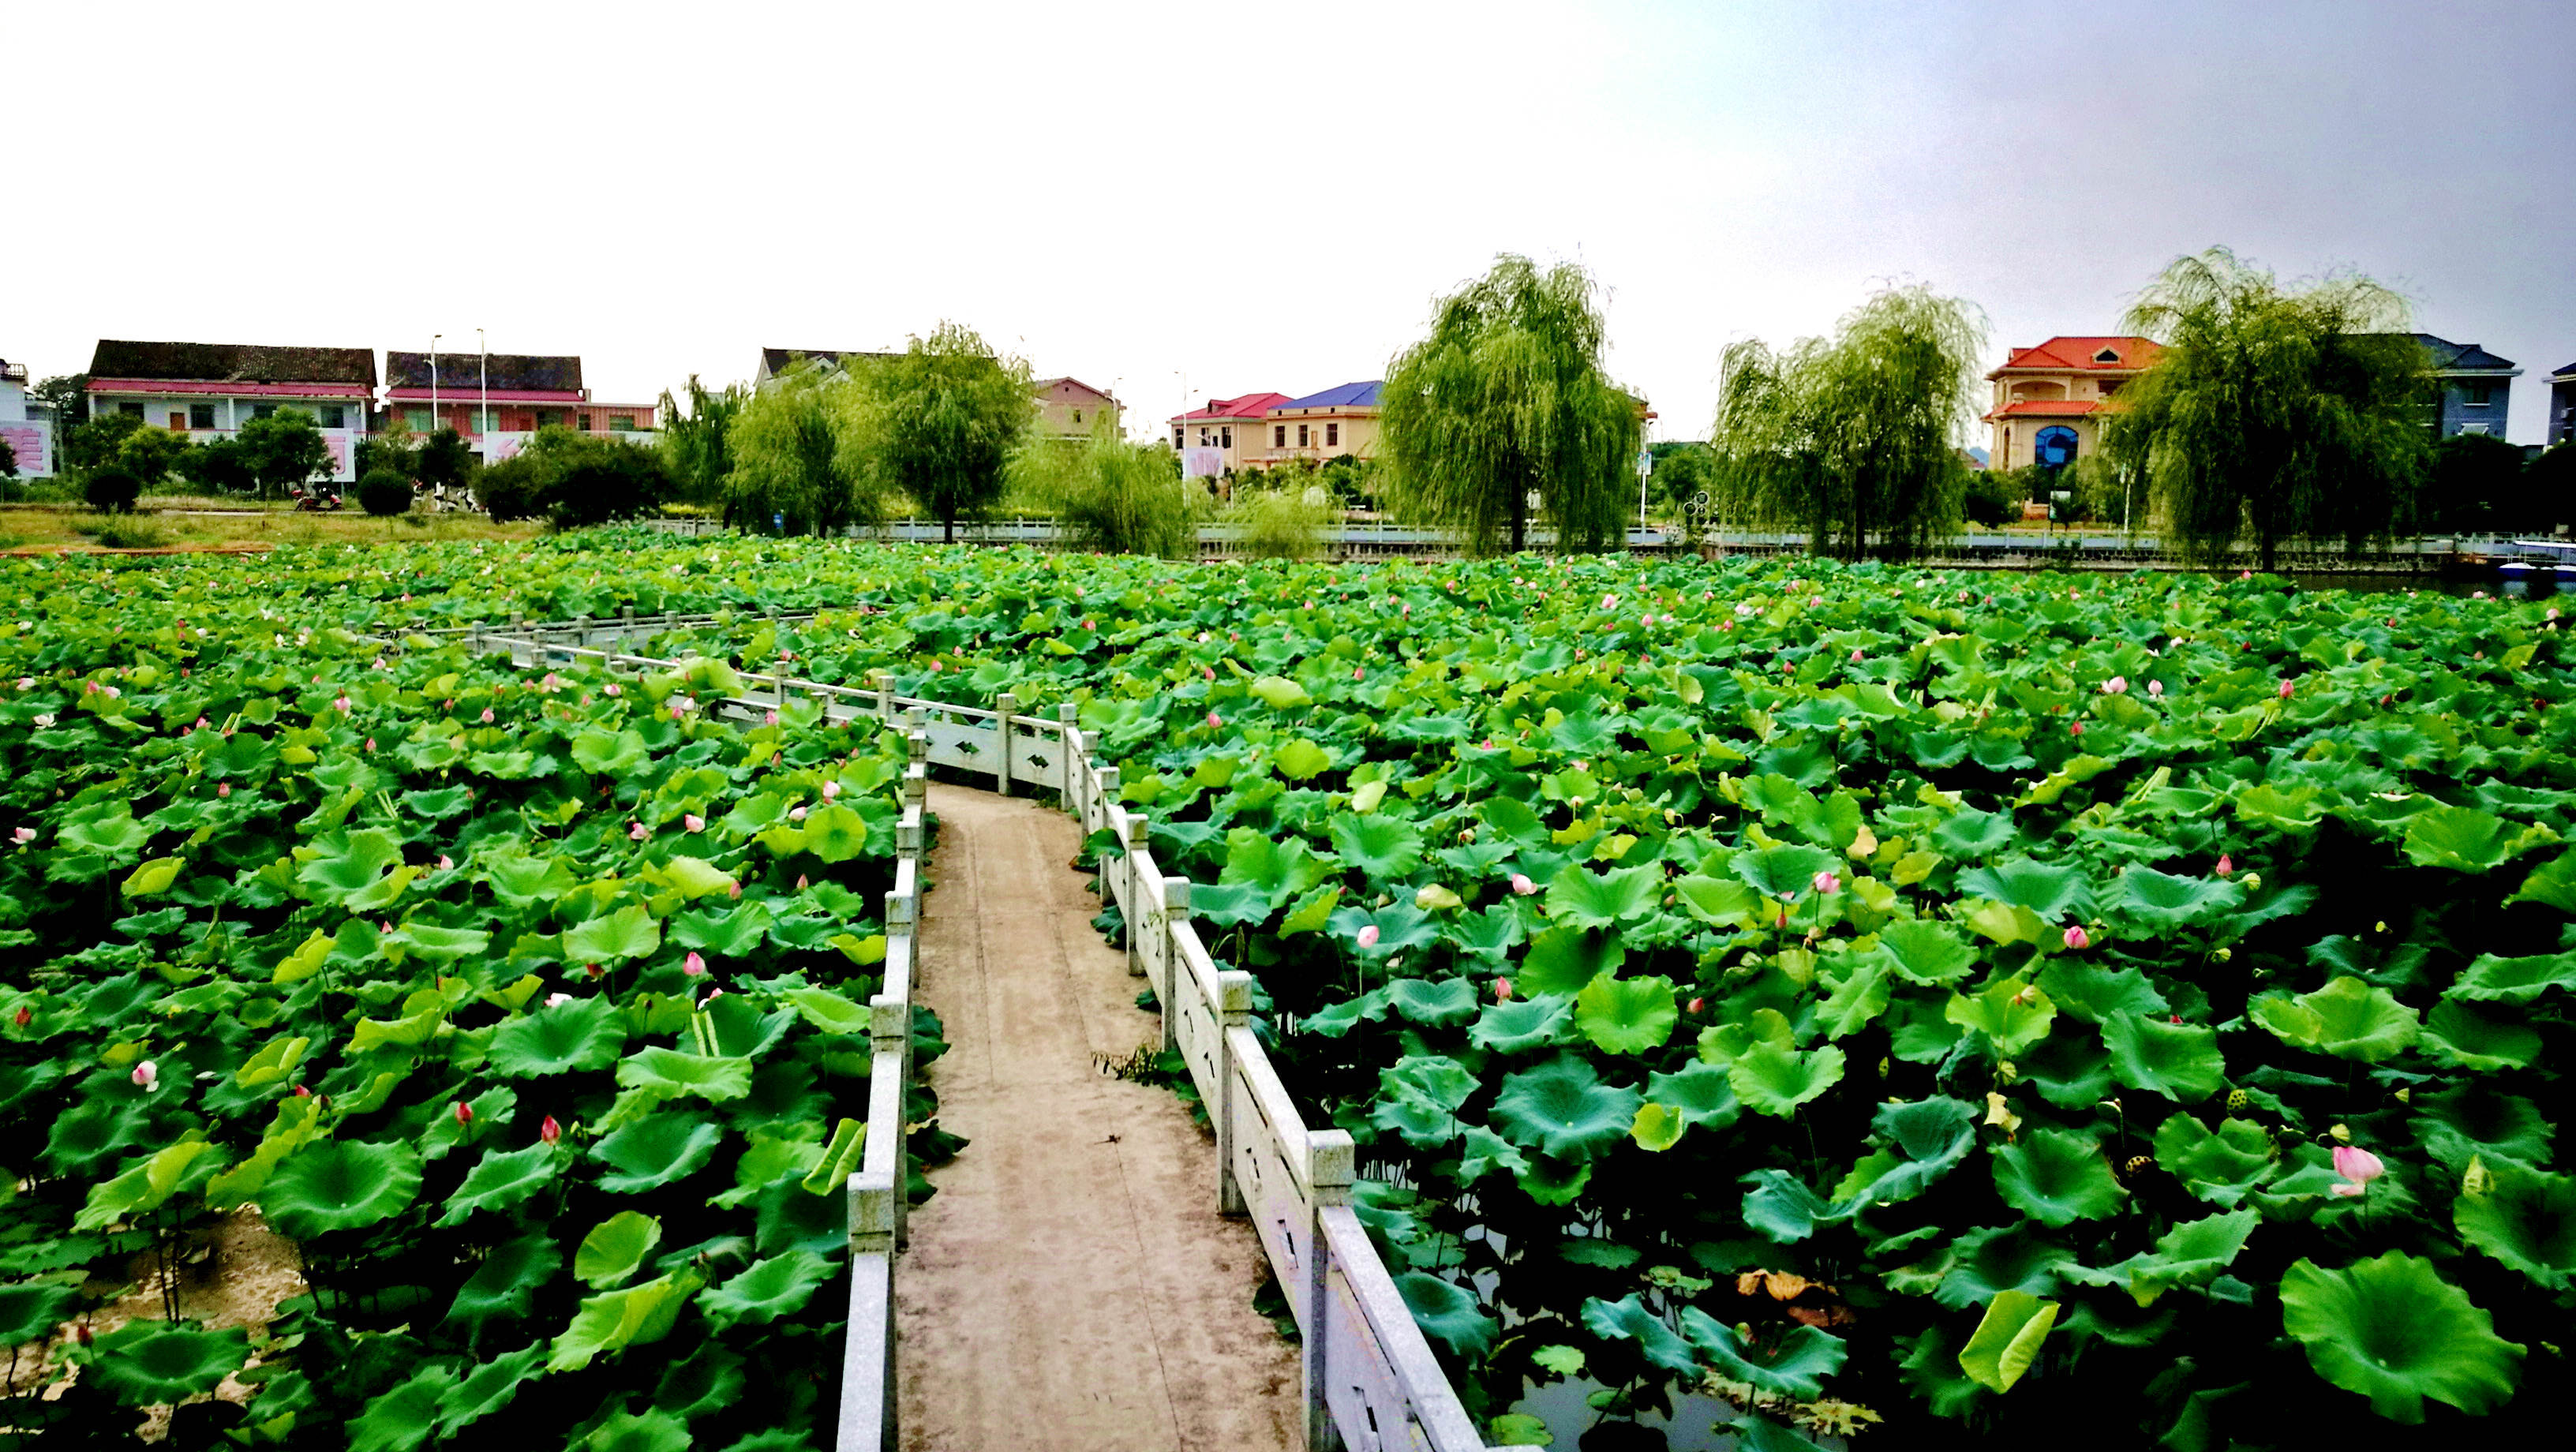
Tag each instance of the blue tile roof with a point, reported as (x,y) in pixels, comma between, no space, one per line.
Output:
(2450,355)
(1349,395)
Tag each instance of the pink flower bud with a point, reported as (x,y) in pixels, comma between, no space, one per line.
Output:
(610,688)
(550,1131)
(371,741)
(23,836)
(796,814)
(2076,729)
(2076,939)
(446,863)
(1368,936)
(2285,690)
(555,1000)
(1855,655)
(800,882)
(693,821)
(1698,1005)
(464,1112)
(635,831)
(2358,1167)
(2226,865)
(733,889)
(831,789)
(1521,884)
(1214,721)
(694,966)
(2155,688)
(147,1075)
(487,715)
(25,1015)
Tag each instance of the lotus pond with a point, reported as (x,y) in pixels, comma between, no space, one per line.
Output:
(1888,1003)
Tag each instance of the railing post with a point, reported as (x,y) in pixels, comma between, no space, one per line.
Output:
(1068,716)
(1007,707)
(1171,908)
(1330,1162)
(885,695)
(890,1035)
(1233,1011)
(1097,800)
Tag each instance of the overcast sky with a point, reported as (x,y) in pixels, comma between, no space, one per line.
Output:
(1254,198)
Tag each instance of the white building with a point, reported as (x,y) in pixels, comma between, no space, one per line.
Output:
(209,390)
(27,424)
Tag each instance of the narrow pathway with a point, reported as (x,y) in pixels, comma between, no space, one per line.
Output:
(1071,1286)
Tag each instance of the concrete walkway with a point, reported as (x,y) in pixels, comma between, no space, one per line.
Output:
(1071,1286)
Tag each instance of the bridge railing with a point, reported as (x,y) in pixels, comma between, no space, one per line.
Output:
(1370,1379)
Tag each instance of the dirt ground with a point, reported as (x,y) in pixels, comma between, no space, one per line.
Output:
(172,524)
(1072,1284)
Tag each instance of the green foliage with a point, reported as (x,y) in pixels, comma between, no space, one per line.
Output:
(1854,439)
(384,492)
(574,479)
(111,488)
(283,449)
(219,466)
(93,441)
(1505,397)
(697,441)
(2272,413)
(150,453)
(788,471)
(2394,1331)
(1114,496)
(1286,522)
(936,424)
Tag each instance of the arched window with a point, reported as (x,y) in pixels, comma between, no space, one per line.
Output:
(2053,447)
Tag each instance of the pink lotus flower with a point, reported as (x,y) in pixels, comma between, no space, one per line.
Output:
(796,814)
(550,1131)
(2155,688)
(2116,686)
(1356,673)
(464,1112)
(800,882)
(487,715)
(694,966)
(610,688)
(1368,936)
(2358,1167)
(2076,729)
(26,683)
(1522,886)
(446,863)
(693,821)
(1697,1005)
(831,789)
(371,741)
(148,1075)
(26,1015)
(1855,655)
(223,789)
(1827,882)
(23,836)
(769,718)
(341,704)
(557,1000)
(635,831)
(2076,938)
(45,721)
(2226,865)
(1215,721)
(2285,690)
(303,1093)
(733,889)
(1502,990)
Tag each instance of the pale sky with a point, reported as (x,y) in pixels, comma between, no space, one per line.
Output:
(1253,198)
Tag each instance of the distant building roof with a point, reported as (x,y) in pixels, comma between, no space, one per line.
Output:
(1048,384)
(117,360)
(1348,395)
(2068,353)
(2564,375)
(2047,408)
(774,361)
(462,373)
(1250,405)
(2450,357)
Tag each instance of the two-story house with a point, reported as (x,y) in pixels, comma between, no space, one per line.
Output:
(1340,420)
(2562,406)
(497,401)
(26,424)
(1223,437)
(2477,387)
(209,390)
(1069,409)
(2047,398)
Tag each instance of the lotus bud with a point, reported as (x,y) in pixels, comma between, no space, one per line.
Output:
(2077,939)
(610,689)
(1827,882)
(25,1015)
(1502,990)
(693,822)
(796,814)
(550,1131)
(1522,886)
(2253,881)
(831,789)
(446,863)
(593,970)
(2285,690)
(554,1000)
(2358,1167)
(464,1112)
(487,715)
(694,966)
(147,1076)
(1698,1005)
(733,889)
(1368,936)
(800,882)
(23,836)
(303,1093)
(2226,865)
(635,831)
(1214,721)
(371,741)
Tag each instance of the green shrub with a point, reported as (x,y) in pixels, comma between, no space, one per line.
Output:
(1283,524)
(111,488)
(385,492)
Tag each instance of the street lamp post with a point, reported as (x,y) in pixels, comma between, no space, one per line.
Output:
(482,376)
(433,380)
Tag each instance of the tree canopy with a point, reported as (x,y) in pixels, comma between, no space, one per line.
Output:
(697,441)
(283,448)
(1113,495)
(785,469)
(2274,412)
(1855,438)
(574,479)
(1505,398)
(936,423)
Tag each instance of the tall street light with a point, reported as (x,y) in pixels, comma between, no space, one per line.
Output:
(483,375)
(433,380)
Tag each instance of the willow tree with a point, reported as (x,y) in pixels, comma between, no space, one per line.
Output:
(785,469)
(1113,495)
(696,441)
(2272,413)
(937,423)
(1507,399)
(1854,439)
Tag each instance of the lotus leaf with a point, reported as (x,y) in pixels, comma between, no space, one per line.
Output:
(614,1248)
(2057,1178)
(1563,1108)
(402,1418)
(1627,1320)
(586,1033)
(2179,1061)
(2394,1331)
(1791,1367)
(656,1150)
(637,1316)
(336,1185)
(145,1362)
(2007,1339)
(500,1180)
(1626,1016)
(1770,1079)
(2526,1219)
(1447,1314)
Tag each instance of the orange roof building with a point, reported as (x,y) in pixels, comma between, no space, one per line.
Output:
(2046,398)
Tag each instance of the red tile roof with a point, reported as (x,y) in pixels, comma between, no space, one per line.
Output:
(1250,405)
(2047,408)
(2076,354)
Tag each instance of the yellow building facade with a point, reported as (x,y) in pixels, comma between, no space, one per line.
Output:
(2048,399)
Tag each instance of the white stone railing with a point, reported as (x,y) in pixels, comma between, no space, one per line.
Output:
(1370,1379)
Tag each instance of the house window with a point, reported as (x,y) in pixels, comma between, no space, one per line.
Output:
(263,410)
(1225,437)
(1077,415)
(1180,438)
(2480,394)
(2111,386)
(2107,355)
(201,415)
(334,416)
(1332,435)
(2475,428)
(623,423)
(1278,436)
(134,410)
(416,420)
(1301,436)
